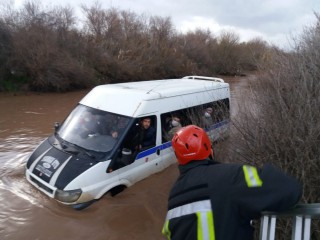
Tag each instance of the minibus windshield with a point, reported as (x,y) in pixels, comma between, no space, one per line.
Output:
(93,129)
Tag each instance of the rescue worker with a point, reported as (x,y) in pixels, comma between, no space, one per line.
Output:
(216,201)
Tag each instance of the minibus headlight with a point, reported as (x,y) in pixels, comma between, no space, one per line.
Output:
(68,196)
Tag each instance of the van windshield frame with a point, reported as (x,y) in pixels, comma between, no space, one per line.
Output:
(93,129)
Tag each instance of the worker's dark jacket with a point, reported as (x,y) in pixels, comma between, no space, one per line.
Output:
(217,201)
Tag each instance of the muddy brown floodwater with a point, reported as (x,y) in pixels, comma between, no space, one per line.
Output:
(25,213)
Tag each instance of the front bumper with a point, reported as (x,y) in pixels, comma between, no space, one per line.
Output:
(65,197)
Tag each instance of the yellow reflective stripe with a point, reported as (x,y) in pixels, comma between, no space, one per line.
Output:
(166,231)
(203,211)
(199,229)
(205,227)
(210,225)
(251,176)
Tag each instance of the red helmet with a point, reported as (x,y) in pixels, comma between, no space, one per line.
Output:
(191,143)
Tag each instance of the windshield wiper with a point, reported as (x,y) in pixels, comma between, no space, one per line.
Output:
(89,154)
(72,148)
(71,151)
(82,150)
(58,141)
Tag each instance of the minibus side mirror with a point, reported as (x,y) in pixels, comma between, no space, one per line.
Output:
(56,126)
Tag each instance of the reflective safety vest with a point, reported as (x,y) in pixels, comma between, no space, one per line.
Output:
(203,211)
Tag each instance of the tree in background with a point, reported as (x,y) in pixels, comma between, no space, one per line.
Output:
(45,49)
(5,51)
(198,47)
(253,55)
(51,51)
(228,54)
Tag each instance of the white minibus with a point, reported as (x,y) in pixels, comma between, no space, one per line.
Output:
(117,135)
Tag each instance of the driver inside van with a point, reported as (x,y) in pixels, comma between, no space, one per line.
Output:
(145,136)
(119,127)
(142,136)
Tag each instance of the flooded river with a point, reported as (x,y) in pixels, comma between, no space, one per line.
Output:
(26,213)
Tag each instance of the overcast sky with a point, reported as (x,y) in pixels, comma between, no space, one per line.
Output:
(275,21)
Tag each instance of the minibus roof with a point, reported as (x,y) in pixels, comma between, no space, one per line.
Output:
(125,98)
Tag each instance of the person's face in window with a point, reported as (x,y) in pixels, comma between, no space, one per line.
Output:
(146,123)
(176,119)
(209,110)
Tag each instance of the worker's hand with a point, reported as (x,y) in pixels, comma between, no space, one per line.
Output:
(114,134)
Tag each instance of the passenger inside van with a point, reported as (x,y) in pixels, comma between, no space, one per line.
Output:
(119,127)
(145,135)
(207,120)
(175,124)
(141,137)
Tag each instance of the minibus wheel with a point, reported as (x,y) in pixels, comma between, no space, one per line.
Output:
(116,190)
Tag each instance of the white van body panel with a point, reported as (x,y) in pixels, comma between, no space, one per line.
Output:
(145,165)
(138,99)
(92,180)
(143,98)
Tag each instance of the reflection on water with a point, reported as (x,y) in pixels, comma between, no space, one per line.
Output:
(26,213)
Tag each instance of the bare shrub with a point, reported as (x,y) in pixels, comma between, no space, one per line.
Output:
(108,33)
(46,49)
(198,48)
(129,47)
(5,52)
(279,123)
(227,54)
(253,54)
(110,46)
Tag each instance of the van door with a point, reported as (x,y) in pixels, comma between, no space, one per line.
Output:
(141,150)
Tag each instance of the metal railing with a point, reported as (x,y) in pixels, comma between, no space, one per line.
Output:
(301,216)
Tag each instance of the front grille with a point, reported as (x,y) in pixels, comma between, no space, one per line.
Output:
(44,187)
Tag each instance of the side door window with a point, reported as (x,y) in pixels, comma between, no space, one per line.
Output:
(141,136)
(171,122)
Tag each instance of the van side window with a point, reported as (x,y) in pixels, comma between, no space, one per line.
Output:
(141,136)
(170,123)
(222,111)
(205,116)
(194,115)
